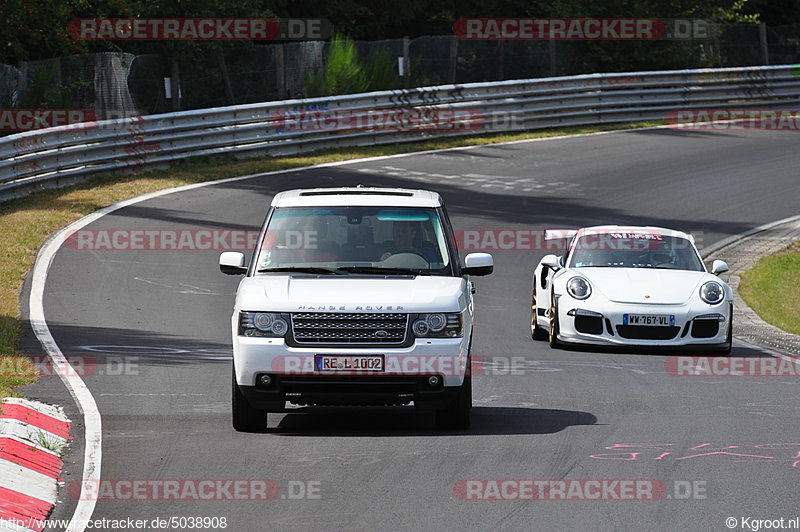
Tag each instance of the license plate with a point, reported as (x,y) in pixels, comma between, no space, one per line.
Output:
(349,363)
(649,319)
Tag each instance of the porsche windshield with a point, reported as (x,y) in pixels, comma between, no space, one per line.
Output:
(634,250)
(366,240)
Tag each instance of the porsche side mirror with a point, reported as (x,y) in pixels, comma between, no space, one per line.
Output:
(719,266)
(551,261)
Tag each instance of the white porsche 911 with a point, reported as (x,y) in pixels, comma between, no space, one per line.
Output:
(642,286)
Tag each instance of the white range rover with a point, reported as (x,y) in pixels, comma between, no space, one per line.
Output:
(353,296)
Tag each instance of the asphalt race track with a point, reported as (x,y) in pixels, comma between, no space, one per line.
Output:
(157,322)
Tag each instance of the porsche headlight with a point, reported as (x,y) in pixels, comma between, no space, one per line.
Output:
(579,288)
(712,293)
(262,324)
(439,325)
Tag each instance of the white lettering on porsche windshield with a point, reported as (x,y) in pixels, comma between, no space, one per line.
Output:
(637,236)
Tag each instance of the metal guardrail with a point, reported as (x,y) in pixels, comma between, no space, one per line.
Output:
(62,155)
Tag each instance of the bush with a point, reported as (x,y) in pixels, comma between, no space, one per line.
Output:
(381,71)
(342,73)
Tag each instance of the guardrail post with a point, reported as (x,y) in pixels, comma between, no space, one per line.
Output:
(501,59)
(406,45)
(175,86)
(451,75)
(225,78)
(762,38)
(280,71)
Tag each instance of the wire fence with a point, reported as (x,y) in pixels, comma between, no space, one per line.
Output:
(124,85)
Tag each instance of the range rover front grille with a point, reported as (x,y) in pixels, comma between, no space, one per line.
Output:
(315,328)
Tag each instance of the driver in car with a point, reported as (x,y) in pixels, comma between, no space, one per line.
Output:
(405,239)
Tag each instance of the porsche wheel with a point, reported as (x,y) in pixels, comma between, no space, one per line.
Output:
(725,349)
(537,333)
(553,321)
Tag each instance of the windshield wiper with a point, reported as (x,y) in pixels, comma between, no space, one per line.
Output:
(301,269)
(379,270)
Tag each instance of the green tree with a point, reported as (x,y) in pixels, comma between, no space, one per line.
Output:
(36,29)
(342,73)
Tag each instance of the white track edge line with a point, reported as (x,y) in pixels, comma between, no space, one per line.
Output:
(77,388)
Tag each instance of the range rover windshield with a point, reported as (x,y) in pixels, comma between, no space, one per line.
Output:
(355,240)
(634,250)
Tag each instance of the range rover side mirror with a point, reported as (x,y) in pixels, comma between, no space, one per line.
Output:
(478,264)
(232,263)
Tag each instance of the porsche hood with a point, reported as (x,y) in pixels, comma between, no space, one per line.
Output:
(645,285)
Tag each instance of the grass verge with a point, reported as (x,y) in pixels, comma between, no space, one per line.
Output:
(772,288)
(28,221)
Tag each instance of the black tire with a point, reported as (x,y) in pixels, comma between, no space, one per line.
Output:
(456,415)
(245,417)
(726,348)
(537,333)
(553,334)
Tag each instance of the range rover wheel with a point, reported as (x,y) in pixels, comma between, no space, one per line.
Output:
(457,414)
(245,417)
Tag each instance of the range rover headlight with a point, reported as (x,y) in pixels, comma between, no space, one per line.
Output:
(263,321)
(712,292)
(439,325)
(265,324)
(436,322)
(279,327)
(579,288)
(420,328)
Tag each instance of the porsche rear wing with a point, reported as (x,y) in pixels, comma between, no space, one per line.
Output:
(559,234)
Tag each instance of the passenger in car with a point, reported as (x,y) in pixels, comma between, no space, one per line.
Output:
(308,242)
